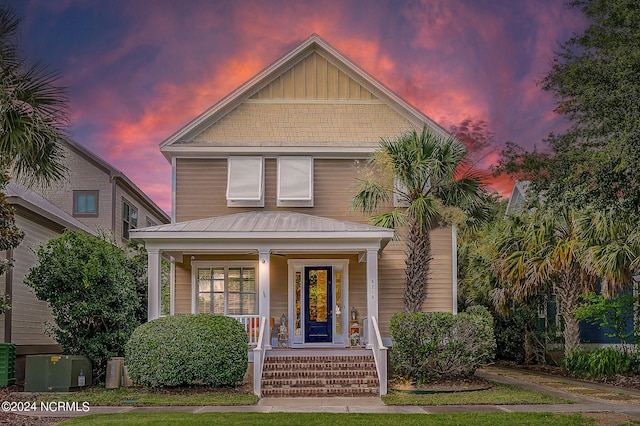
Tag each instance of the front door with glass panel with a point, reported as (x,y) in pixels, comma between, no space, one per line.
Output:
(318,303)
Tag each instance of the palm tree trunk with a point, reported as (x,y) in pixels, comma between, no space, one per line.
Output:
(417,260)
(568,292)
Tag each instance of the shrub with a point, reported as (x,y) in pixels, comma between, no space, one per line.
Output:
(436,345)
(178,350)
(600,363)
(91,291)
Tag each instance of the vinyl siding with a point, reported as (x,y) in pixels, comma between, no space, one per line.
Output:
(28,313)
(86,176)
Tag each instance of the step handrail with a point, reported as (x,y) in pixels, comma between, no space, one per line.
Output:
(258,358)
(380,356)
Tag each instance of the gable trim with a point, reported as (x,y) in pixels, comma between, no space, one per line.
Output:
(312,44)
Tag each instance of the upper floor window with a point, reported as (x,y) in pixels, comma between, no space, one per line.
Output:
(85,203)
(129,218)
(245,181)
(295,181)
(150,222)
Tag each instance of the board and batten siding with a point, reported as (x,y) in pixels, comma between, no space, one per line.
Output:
(314,78)
(200,193)
(314,103)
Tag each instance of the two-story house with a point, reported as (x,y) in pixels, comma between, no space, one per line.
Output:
(261,224)
(94,198)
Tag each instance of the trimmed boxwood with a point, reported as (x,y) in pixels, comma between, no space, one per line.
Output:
(440,345)
(179,350)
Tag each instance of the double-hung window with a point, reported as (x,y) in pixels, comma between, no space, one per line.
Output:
(226,289)
(129,218)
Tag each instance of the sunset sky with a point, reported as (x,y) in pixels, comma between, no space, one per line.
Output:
(138,70)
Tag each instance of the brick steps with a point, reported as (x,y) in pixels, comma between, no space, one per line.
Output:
(294,375)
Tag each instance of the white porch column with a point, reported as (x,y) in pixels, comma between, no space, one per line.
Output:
(372,292)
(153,274)
(265,288)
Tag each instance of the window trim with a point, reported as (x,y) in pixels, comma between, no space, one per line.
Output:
(234,201)
(197,264)
(95,193)
(128,221)
(295,201)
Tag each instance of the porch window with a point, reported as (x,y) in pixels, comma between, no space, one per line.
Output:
(245,181)
(226,290)
(295,181)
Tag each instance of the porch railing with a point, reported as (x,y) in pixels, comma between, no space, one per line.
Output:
(380,355)
(251,324)
(258,357)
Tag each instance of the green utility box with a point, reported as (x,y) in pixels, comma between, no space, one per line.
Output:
(56,373)
(7,364)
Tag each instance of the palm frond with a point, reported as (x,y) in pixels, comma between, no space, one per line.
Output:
(371,195)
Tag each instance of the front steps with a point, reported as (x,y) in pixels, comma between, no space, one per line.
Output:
(318,373)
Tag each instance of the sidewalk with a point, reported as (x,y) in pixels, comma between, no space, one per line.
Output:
(588,398)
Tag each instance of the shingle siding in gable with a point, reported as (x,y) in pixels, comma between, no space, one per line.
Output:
(305,124)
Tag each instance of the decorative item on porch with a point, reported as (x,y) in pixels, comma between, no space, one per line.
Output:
(283,333)
(354,328)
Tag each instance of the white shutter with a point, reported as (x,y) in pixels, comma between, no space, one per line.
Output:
(245,182)
(295,181)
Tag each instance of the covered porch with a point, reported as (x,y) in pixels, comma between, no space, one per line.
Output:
(262,266)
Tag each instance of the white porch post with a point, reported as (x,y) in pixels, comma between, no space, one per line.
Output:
(153,274)
(265,297)
(372,292)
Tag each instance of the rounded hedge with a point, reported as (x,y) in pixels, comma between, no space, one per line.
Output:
(436,345)
(178,350)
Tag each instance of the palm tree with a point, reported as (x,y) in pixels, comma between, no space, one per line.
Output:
(611,243)
(33,117)
(33,112)
(541,253)
(420,172)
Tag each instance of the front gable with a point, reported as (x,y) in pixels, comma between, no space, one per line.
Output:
(311,98)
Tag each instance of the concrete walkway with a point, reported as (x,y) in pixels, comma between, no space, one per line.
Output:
(587,398)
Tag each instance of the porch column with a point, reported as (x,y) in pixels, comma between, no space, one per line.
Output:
(153,274)
(372,292)
(264,269)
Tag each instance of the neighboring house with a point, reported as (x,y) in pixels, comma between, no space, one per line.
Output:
(518,199)
(589,333)
(24,323)
(102,197)
(261,226)
(95,198)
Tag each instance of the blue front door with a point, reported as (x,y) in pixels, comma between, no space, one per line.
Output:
(318,302)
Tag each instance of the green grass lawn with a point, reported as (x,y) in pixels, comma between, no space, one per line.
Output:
(136,396)
(497,394)
(96,396)
(323,419)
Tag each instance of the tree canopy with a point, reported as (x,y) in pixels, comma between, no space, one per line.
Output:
(33,112)
(595,77)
